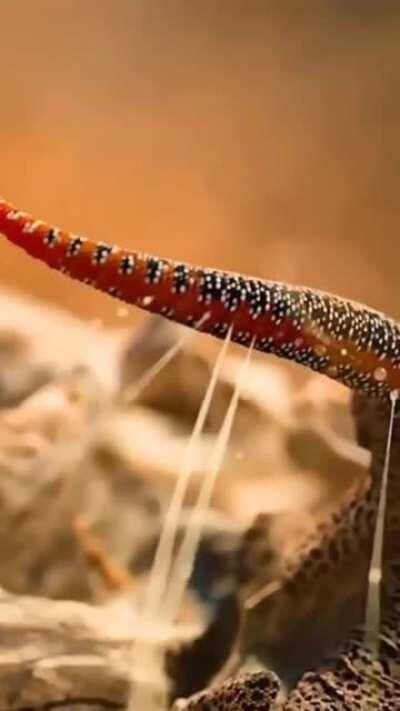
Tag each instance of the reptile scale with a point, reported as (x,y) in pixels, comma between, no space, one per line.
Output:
(348,342)
(343,340)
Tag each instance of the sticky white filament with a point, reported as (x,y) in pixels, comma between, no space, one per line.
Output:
(373,608)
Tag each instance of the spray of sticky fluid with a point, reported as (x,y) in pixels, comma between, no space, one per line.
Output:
(373,607)
(168,579)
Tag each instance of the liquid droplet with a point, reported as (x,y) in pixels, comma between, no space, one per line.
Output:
(122,312)
(380,374)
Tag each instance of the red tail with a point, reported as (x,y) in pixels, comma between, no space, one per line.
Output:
(346,341)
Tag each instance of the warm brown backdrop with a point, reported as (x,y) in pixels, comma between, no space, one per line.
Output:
(254,135)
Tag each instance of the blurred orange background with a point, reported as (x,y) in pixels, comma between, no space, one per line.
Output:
(258,136)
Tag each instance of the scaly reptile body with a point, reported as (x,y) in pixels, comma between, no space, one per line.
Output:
(349,342)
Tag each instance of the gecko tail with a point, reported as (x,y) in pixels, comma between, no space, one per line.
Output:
(157,285)
(345,341)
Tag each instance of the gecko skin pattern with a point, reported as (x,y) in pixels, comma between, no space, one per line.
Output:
(250,692)
(342,535)
(355,680)
(346,341)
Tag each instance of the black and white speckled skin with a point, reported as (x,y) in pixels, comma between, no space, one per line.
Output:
(345,341)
